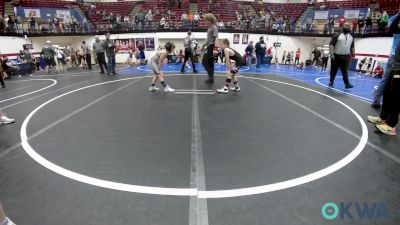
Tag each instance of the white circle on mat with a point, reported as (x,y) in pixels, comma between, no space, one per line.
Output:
(189,191)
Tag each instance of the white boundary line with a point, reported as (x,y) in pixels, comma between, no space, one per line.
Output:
(189,191)
(347,93)
(19,96)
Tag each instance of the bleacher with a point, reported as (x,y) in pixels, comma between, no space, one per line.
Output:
(2,7)
(391,6)
(47,3)
(344,4)
(122,8)
(225,12)
(176,18)
(282,9)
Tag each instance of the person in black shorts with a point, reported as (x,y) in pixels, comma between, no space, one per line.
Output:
(231,68)
(48,55)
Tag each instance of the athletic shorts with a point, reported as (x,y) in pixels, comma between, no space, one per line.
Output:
(49,61)
(142,56)
(154,65)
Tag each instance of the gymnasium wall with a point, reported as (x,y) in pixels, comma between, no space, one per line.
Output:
(378,48)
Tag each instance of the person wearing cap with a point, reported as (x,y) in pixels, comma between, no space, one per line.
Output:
(99,50)
(341,52)
(48,53)
(261,47)
(188,43)
(109,46)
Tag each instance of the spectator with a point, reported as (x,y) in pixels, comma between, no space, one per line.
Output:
(249,53)
(325,58)
(19,25)
(149,19)
(162,23)
(60,56)
(4,220)
(342,21)
(86,26)
(393,29)
(88,54)
(140,19)
(389,117)
(32,25)
(9,68)
(185,19)
(378,72)
(309,22)
(297,58)
(109,46)
(355,25)
(283,57)
(48,55)
(361,23)
(331,24)
(191,18)
(368,25)
(317,56)
(196,19)
(260,47)
(141,48)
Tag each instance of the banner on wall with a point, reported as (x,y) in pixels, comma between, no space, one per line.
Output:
(35,13)
(63,13)
(245,39)
(149,42)
(124,45)
(321,15)
(236,38)
(351,14)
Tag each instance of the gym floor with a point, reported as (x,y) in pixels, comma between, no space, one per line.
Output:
(91,149)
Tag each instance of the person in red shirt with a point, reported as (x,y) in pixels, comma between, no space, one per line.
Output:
(378,72)
(342,21)
(297,58)
(355,24)
(269,51)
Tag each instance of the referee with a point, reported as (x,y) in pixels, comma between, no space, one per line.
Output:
(341,51)
(188,43)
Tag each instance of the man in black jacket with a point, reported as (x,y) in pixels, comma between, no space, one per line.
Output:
(261,47)
(109,46)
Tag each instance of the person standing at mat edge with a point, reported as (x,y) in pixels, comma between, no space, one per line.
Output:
(341,52)
(394,29)
(157,64)
(4,220)
(389,118)
(212,35)
(261,47)
(188,43)
(98,48)
(88,54)
(231,68)
(109,46)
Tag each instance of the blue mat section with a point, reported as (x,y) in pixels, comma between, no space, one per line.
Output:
(363,84)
